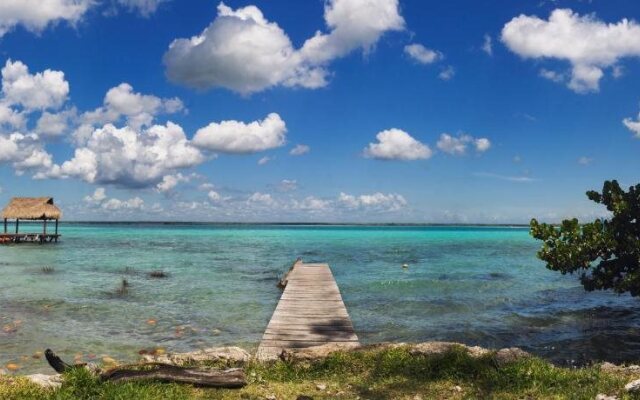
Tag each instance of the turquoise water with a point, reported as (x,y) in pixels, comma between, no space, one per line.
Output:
(471,284)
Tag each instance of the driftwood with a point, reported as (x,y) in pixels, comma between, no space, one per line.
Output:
(231,378)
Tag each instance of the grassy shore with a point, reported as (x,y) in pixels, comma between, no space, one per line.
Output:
(388,373)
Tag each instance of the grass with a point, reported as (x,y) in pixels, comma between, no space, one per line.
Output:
(372,374)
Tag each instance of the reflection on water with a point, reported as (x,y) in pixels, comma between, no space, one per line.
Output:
(475,285)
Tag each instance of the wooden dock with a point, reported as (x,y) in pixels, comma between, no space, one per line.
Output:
(6,238)
(310,313)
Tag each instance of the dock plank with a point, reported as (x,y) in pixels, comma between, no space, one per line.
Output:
(310,312)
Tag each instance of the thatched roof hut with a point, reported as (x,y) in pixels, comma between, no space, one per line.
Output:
(41,208)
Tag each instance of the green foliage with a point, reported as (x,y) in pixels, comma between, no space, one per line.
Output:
(605,252)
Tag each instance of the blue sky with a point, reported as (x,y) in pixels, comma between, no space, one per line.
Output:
(399,111)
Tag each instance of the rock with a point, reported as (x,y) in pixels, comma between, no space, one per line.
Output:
(321,386)
(609,367)
(509,355)
(12,367)
(235,354)
(271,397)
(605,397)
(457,388)
(46,381)
(437,348)
(633,386)
(314,353)
(417,397)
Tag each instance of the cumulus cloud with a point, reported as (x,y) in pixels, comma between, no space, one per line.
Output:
(137,109)
(36,15)
(422,54)
(587,43)
(458,145)
(264,160)
(55,124)
(378,201)
(312,204)
(24,152)
(633,125)
(214,196)
(243,51)
(127,157)
(300,150)
(40,91)
(98,196)
(264,199)
(237,137)
(100,199)
(169,182)
(396,144)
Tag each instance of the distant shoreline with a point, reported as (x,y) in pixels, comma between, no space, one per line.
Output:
(300,224)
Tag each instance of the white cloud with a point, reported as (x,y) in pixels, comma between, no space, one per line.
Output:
(214,196)
(264,160)
(633,126)
(11,117)
(395,144)
(113,204)
(144,7)
(98,196)
(54,124)
(237,137)
(519,179)
(24,152)
(40,91)
(584,160)
(288,185)
(300,149)
(553,76)
(128,157)
(100,199)
(169,182)
(458,145)
(422,54)
(312,204)
(379,201)
(138,109)
(36,15)
(587,43)
(206,186)
(487,45)
(242,51)
(447,73)
(262,199)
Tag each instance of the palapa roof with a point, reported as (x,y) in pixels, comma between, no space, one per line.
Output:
(31,208)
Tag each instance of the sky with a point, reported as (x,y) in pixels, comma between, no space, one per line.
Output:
(415,111)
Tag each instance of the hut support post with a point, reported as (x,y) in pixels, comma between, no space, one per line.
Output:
(56,239)
(5,225)
(17,239)
(44,231)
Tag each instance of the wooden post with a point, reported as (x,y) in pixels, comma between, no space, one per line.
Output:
(56,239)
(44,231)
(5,225)
(17,239)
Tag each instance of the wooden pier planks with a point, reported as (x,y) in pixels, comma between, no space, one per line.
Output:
(310,313)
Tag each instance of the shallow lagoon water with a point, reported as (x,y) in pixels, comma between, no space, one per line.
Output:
(477,285)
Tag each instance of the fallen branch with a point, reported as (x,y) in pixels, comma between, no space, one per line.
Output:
(231,378)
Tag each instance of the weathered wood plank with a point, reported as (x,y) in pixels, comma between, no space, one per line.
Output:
(310,313)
